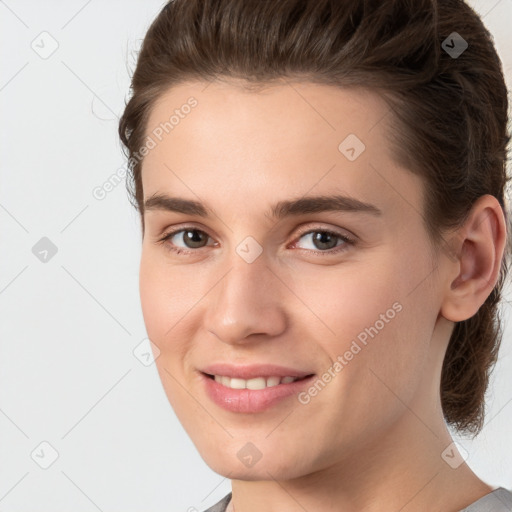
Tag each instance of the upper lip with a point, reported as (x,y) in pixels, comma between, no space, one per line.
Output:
(253,370)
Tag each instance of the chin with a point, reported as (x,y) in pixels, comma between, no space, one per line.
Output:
(266,468)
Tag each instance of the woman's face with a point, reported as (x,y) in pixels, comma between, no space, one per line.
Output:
(268,276)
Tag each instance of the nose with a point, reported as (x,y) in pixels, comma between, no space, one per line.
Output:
(248,300)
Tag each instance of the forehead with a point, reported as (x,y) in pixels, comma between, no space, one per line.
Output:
(282,140)
(310,112)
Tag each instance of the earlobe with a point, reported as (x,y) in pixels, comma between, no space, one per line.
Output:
(480,244)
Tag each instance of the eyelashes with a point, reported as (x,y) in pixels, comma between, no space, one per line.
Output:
(346,241)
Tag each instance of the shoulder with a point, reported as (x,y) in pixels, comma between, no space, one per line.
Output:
(221,505)
(499,500)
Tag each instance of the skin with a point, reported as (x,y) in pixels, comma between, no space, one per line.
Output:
(372,439)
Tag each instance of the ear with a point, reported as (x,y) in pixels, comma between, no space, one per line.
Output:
(479,245)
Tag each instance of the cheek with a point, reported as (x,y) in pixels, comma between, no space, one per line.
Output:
(163,304)
(161,295)
(391,318)
(171,305)
(153,301)
(378,320)
(343,303)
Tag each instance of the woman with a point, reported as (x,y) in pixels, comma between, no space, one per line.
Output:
(321,190)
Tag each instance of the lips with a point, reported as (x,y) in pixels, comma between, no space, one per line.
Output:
(247,400)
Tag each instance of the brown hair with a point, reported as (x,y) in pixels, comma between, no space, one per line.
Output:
(449,113)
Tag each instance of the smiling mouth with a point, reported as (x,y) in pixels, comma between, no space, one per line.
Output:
(255,383)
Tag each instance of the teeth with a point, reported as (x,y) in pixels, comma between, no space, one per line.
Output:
(256,383)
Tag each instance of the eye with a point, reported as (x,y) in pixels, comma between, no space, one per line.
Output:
(193,238)
(326,241)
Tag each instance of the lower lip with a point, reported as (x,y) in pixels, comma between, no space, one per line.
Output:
(251,400)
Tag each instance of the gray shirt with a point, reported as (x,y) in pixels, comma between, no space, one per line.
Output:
(499,500)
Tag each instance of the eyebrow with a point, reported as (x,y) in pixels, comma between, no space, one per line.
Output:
(280,210)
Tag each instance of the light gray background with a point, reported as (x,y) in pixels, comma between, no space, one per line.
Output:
(69,326)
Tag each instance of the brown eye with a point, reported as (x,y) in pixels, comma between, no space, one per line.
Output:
(191,238)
